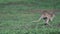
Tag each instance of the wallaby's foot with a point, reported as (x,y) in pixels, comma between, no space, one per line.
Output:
(47,24)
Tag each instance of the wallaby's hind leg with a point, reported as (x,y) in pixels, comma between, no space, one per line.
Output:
(47,22)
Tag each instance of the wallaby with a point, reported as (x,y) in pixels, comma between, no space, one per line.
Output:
(47,16)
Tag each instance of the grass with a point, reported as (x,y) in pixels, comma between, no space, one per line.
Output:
(16,17)
(39,4)
(20,22)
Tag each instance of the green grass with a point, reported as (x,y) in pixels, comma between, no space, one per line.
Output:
(13,21)
(17,18)
(40,4)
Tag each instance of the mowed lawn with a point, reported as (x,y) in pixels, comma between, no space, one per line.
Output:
(16,17)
